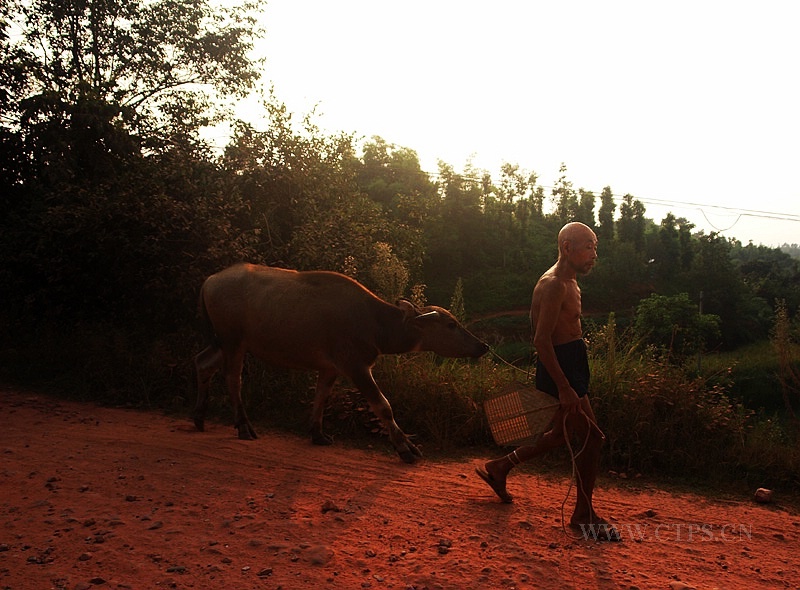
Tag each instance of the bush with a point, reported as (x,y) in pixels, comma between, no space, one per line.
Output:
(674,326)
(440,400)
(657,417)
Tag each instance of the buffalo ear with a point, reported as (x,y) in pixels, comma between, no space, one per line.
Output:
(408,308)
(414,313)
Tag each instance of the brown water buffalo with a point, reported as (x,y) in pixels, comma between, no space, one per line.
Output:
(315,320)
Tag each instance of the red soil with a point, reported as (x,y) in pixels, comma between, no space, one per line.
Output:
(111,498)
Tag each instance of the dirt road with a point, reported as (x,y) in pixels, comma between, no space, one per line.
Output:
(94,497)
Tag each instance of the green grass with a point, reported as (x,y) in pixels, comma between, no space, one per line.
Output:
(752,373)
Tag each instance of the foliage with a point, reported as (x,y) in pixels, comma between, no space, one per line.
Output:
(744,316)
(440,401)
(674,326)
(769,273)
(300,192)
(392,178)
(771,454)
(789,373)
(457,302)
(655,417)
(605,216)
(620,279)
(112,206)
(96,82)
(792,250)
(632,224)
(388,273)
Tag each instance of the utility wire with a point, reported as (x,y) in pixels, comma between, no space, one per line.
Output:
(718,229)
(737,210)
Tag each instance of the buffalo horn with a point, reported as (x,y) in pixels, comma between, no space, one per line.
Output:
(430,314)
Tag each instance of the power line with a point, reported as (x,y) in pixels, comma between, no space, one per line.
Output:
(737,210)
(717,229)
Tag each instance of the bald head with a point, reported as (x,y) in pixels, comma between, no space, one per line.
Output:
(575,232)
(577,248)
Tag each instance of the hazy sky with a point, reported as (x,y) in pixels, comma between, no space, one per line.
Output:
(688,102)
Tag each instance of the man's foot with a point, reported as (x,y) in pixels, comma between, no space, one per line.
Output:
(598,530)
(499,487)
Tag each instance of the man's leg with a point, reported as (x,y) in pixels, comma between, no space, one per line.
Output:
(587,462)
(495,472)
(585,445)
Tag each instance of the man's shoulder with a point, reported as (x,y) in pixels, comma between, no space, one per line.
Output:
(551,280)
(550,288)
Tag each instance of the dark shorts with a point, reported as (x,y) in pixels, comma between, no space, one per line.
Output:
(574,361)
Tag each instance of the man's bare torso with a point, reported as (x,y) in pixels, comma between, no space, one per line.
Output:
(564,295)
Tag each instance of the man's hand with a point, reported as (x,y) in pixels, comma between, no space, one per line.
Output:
(569,400)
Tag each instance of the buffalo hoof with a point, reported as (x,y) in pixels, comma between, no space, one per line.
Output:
(322,440)
(246,432)
(410,454)
(200,424)
(407,456)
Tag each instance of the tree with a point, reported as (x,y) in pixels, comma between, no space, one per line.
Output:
(302,195)
(745,317)
(685,228)
(93,81)
(792,250)
(457,220)
(101,104)
(566,201)
(392,177)
(631,224)
(605,216)
(585,209)
(388,172)
(508,213)
(770,273)
(667,255)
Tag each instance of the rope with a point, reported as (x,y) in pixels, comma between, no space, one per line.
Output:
(576,476)
(504,361)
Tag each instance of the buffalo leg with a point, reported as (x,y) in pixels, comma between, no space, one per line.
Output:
(325,381)
(234,363)
(365,382)
(207,363)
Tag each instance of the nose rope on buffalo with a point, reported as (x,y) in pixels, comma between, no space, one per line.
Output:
(573,455)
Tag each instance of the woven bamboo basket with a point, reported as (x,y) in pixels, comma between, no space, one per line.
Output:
(519,414)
